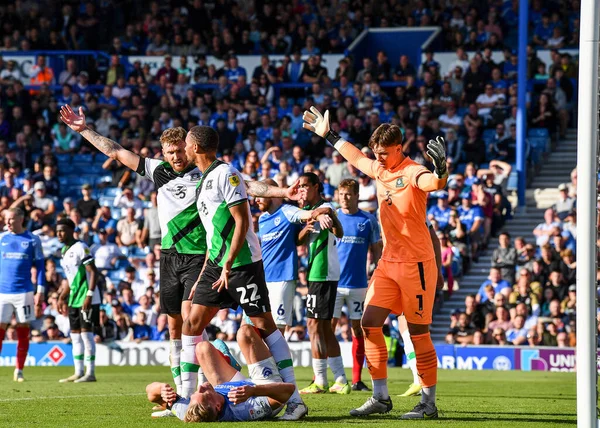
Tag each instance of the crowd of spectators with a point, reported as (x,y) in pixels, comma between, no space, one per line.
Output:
(221,27)
(530,295)
(472,104)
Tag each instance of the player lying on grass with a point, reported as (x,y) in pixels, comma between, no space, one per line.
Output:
(183,245)
(229,396)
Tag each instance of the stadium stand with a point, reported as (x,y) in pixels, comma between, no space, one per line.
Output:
(87,54)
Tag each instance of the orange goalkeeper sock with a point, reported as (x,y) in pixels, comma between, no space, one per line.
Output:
(426,359)
(376,352)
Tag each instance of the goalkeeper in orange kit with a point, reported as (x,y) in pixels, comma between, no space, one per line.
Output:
(406,276)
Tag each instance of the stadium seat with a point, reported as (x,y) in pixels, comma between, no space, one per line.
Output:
(538,132)
(83,158)
(63,158)
(513,182)
(110,192)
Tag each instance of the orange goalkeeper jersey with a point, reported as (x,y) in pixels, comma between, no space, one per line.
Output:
(402,196)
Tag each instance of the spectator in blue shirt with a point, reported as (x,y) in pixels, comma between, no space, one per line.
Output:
(129,304)
(441,211)
(161,330)
(496,281)
(265,132)
(298,161)
(107,100)
(472,217)
(141,331)
(543,31)
(234,71)
(510,67)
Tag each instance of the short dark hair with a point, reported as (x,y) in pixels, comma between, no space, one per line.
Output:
(205,137)
(66,222)
(313,179)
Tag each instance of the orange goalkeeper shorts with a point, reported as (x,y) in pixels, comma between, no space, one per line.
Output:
(407,288)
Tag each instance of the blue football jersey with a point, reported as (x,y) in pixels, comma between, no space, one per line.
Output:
(18,254)
(277,233)
(441,216)
(360,231)
(252,409)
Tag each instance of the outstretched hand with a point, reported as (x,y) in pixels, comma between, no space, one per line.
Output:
(73,120)
(436,150)
(315,122)
(295,192)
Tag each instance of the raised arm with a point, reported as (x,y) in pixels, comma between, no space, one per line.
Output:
(107,146)
(430,182)
(315,122)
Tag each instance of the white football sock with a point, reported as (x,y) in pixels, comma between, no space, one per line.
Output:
(336,364)
(411,358)
(77,350)
(320,370)
(283,357)
(380,389)
(175,359)
(90,352)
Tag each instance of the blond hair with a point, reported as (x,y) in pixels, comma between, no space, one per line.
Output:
(197,412)
(172,136)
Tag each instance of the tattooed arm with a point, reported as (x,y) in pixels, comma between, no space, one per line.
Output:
(107,146)
(259,189)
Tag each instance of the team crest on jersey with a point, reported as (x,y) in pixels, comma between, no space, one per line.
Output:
(361,226)
(195,176)
(234,180)
(25,244)
(277,221)
(209,185)
(178,191)
(400,183)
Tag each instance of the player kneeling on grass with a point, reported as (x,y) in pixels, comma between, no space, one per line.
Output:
(229,396)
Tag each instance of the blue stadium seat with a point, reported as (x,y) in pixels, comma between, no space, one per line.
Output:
(488,134)
(116,275)
(110,192)
(513,182)
(63,158)
(104,200)
(100,158)
(83,158)
(538,132)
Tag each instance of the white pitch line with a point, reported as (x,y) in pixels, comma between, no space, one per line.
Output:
(60,397)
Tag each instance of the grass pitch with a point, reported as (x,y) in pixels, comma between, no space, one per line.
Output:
(465,398)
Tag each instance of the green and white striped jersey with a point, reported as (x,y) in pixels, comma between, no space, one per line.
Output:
(74,260)
(180,225)
(323,261)
(220,188)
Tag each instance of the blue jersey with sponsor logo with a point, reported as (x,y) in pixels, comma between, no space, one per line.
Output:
(252,409)
(277,233)
(18,254)
(442,216)
(468,216)
(360,231)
